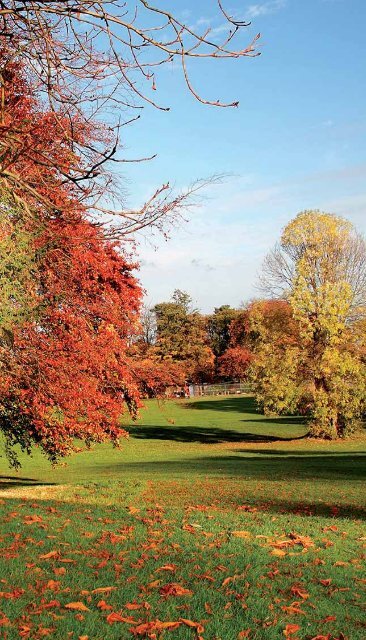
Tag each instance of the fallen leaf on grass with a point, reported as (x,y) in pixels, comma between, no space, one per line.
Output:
(244,634)
(174,589)
(104,589)
(149,628)
(116,617)
(102,604)
(298,591)
(193,625)
(293,609)
(76,606)
(10,595)
(48,556)
(290,629)
(167,567)
(278,552)
(241,534)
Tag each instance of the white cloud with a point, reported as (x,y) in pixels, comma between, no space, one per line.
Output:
(264,8)
(216,257)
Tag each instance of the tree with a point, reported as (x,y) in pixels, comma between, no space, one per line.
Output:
(320,265)
(94,60)
(70,303)
(64,367)
(182,337)
(218,328)
(234,363)
(275,355)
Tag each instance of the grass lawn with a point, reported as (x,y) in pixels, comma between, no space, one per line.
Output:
(211,522)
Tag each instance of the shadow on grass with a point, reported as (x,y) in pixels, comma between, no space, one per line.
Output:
(202,435)
(242,404)
(290,465)
(12,482)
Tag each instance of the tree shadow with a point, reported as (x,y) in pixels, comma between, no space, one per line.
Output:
(242,404)
(11,482)
(291,465)
(202,435)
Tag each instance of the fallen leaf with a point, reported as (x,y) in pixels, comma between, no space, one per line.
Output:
(116,617)
(244,634)
(104,589)
(76,606)
(290,629)
(174,589)
(48,556)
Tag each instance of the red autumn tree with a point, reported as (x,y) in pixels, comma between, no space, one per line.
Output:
(67,374)
(65,371)
(234,363)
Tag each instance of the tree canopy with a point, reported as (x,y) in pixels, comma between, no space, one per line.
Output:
(320,267)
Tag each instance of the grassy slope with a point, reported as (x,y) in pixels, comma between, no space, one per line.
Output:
(178,494)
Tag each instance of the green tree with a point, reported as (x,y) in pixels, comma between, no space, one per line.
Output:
(320,267)
(181,337)
(218,328)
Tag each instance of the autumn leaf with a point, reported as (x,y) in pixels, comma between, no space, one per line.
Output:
(241,534)
(102,604)
(76,606)
(4,620)
(167,567)
(298,591)
(174,589)
(48,556)
(104,589)
(290,629)
(117,617)
(148,628)
(208,608)
(193,625)
(244,634)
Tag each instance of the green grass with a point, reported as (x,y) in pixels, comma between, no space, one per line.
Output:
(262,527)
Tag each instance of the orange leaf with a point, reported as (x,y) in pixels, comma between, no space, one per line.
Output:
(104,606)
(244,634)
(241,534)
(53,585)
(116,617)
(76,606)
(326,582)
(193,625)
(174,589)
(290,629)
(59,571)
(48,556)
(104,589)
(301,593)
(167,567)
(83,637)
(278,552)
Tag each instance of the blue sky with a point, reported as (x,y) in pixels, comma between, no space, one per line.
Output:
(297,141)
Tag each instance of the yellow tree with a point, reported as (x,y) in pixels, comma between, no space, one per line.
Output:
(319,266)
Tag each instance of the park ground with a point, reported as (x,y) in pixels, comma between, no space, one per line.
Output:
(210,522)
